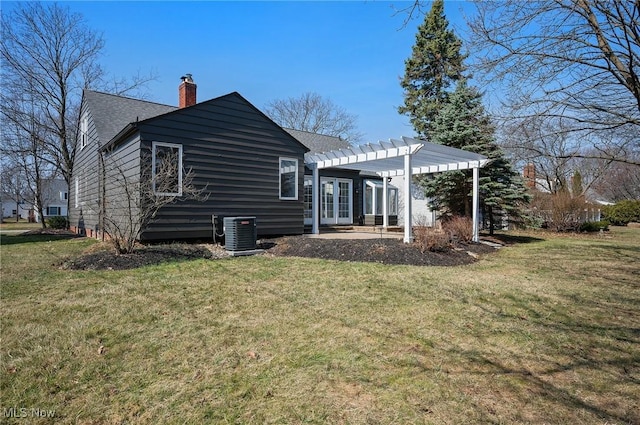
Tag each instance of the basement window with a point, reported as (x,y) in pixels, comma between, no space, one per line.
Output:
(166,169)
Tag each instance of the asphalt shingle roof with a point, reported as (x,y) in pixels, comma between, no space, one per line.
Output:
(112,113)
(318,143)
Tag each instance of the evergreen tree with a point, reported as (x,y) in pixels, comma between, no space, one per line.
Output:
(576,184)
(434,66)
(463,123)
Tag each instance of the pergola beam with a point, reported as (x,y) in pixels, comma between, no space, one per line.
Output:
(397,157)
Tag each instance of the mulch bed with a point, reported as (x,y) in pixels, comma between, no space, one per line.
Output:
(384,251)
(106,259)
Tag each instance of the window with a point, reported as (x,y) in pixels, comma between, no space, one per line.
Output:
(308,198)
(373,198)
(166,169)
(84,130)
(64,196)
(288,178)
(77,191)
(53,211)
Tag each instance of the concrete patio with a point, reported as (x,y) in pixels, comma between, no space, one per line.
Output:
(357,232)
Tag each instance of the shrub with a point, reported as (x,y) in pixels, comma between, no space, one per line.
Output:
(559,211)
(460,228)
(430,239)
(594,226)
(623,212)
(58,222)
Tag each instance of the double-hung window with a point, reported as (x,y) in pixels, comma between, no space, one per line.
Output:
(289,179)
(166,169)
(51,211)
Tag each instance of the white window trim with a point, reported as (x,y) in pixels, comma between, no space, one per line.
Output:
(335,218)
(58,209)
(375,184)
(77,192)
(84,129)
(154,145)
(308,182)
(288,198)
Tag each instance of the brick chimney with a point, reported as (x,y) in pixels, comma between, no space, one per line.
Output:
(530,175)
(187,91)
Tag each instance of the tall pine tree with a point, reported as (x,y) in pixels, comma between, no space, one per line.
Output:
(432,70)
(463,123)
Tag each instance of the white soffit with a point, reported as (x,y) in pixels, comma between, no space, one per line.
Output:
(387,158)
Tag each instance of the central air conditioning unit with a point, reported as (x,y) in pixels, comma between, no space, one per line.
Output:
(240,233)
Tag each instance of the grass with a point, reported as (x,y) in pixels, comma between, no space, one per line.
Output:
(546,331)
(11,224)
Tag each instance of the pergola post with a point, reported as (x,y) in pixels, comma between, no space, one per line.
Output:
(408,236)
(315,201)
(476,178)
(385,203)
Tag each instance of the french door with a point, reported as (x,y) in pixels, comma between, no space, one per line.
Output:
(336,201)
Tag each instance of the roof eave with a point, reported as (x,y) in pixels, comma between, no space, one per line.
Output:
(127,131)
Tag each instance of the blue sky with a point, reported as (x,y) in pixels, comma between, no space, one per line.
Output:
(350,52)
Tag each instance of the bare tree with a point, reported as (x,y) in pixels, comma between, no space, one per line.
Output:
(14,183)
(574,62)
(47,52)
(131,202)
(311,112)
(50,54)
(24,142)
(620,182)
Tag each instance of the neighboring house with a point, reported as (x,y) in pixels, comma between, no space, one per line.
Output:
(248,165)
(55,193)
(11,208)
(533,181)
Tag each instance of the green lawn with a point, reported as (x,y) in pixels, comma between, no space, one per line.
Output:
(546,331)
(12,224)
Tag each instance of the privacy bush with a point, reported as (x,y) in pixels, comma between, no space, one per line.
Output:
(622,213)
(594,226)
(559,212)
(58,222)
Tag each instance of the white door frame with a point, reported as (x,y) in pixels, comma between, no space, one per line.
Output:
(335,213)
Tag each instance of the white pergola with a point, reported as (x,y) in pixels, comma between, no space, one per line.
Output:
(397,157)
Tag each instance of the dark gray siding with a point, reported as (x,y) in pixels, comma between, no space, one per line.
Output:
(233,150)
(121,170)
(84,216)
